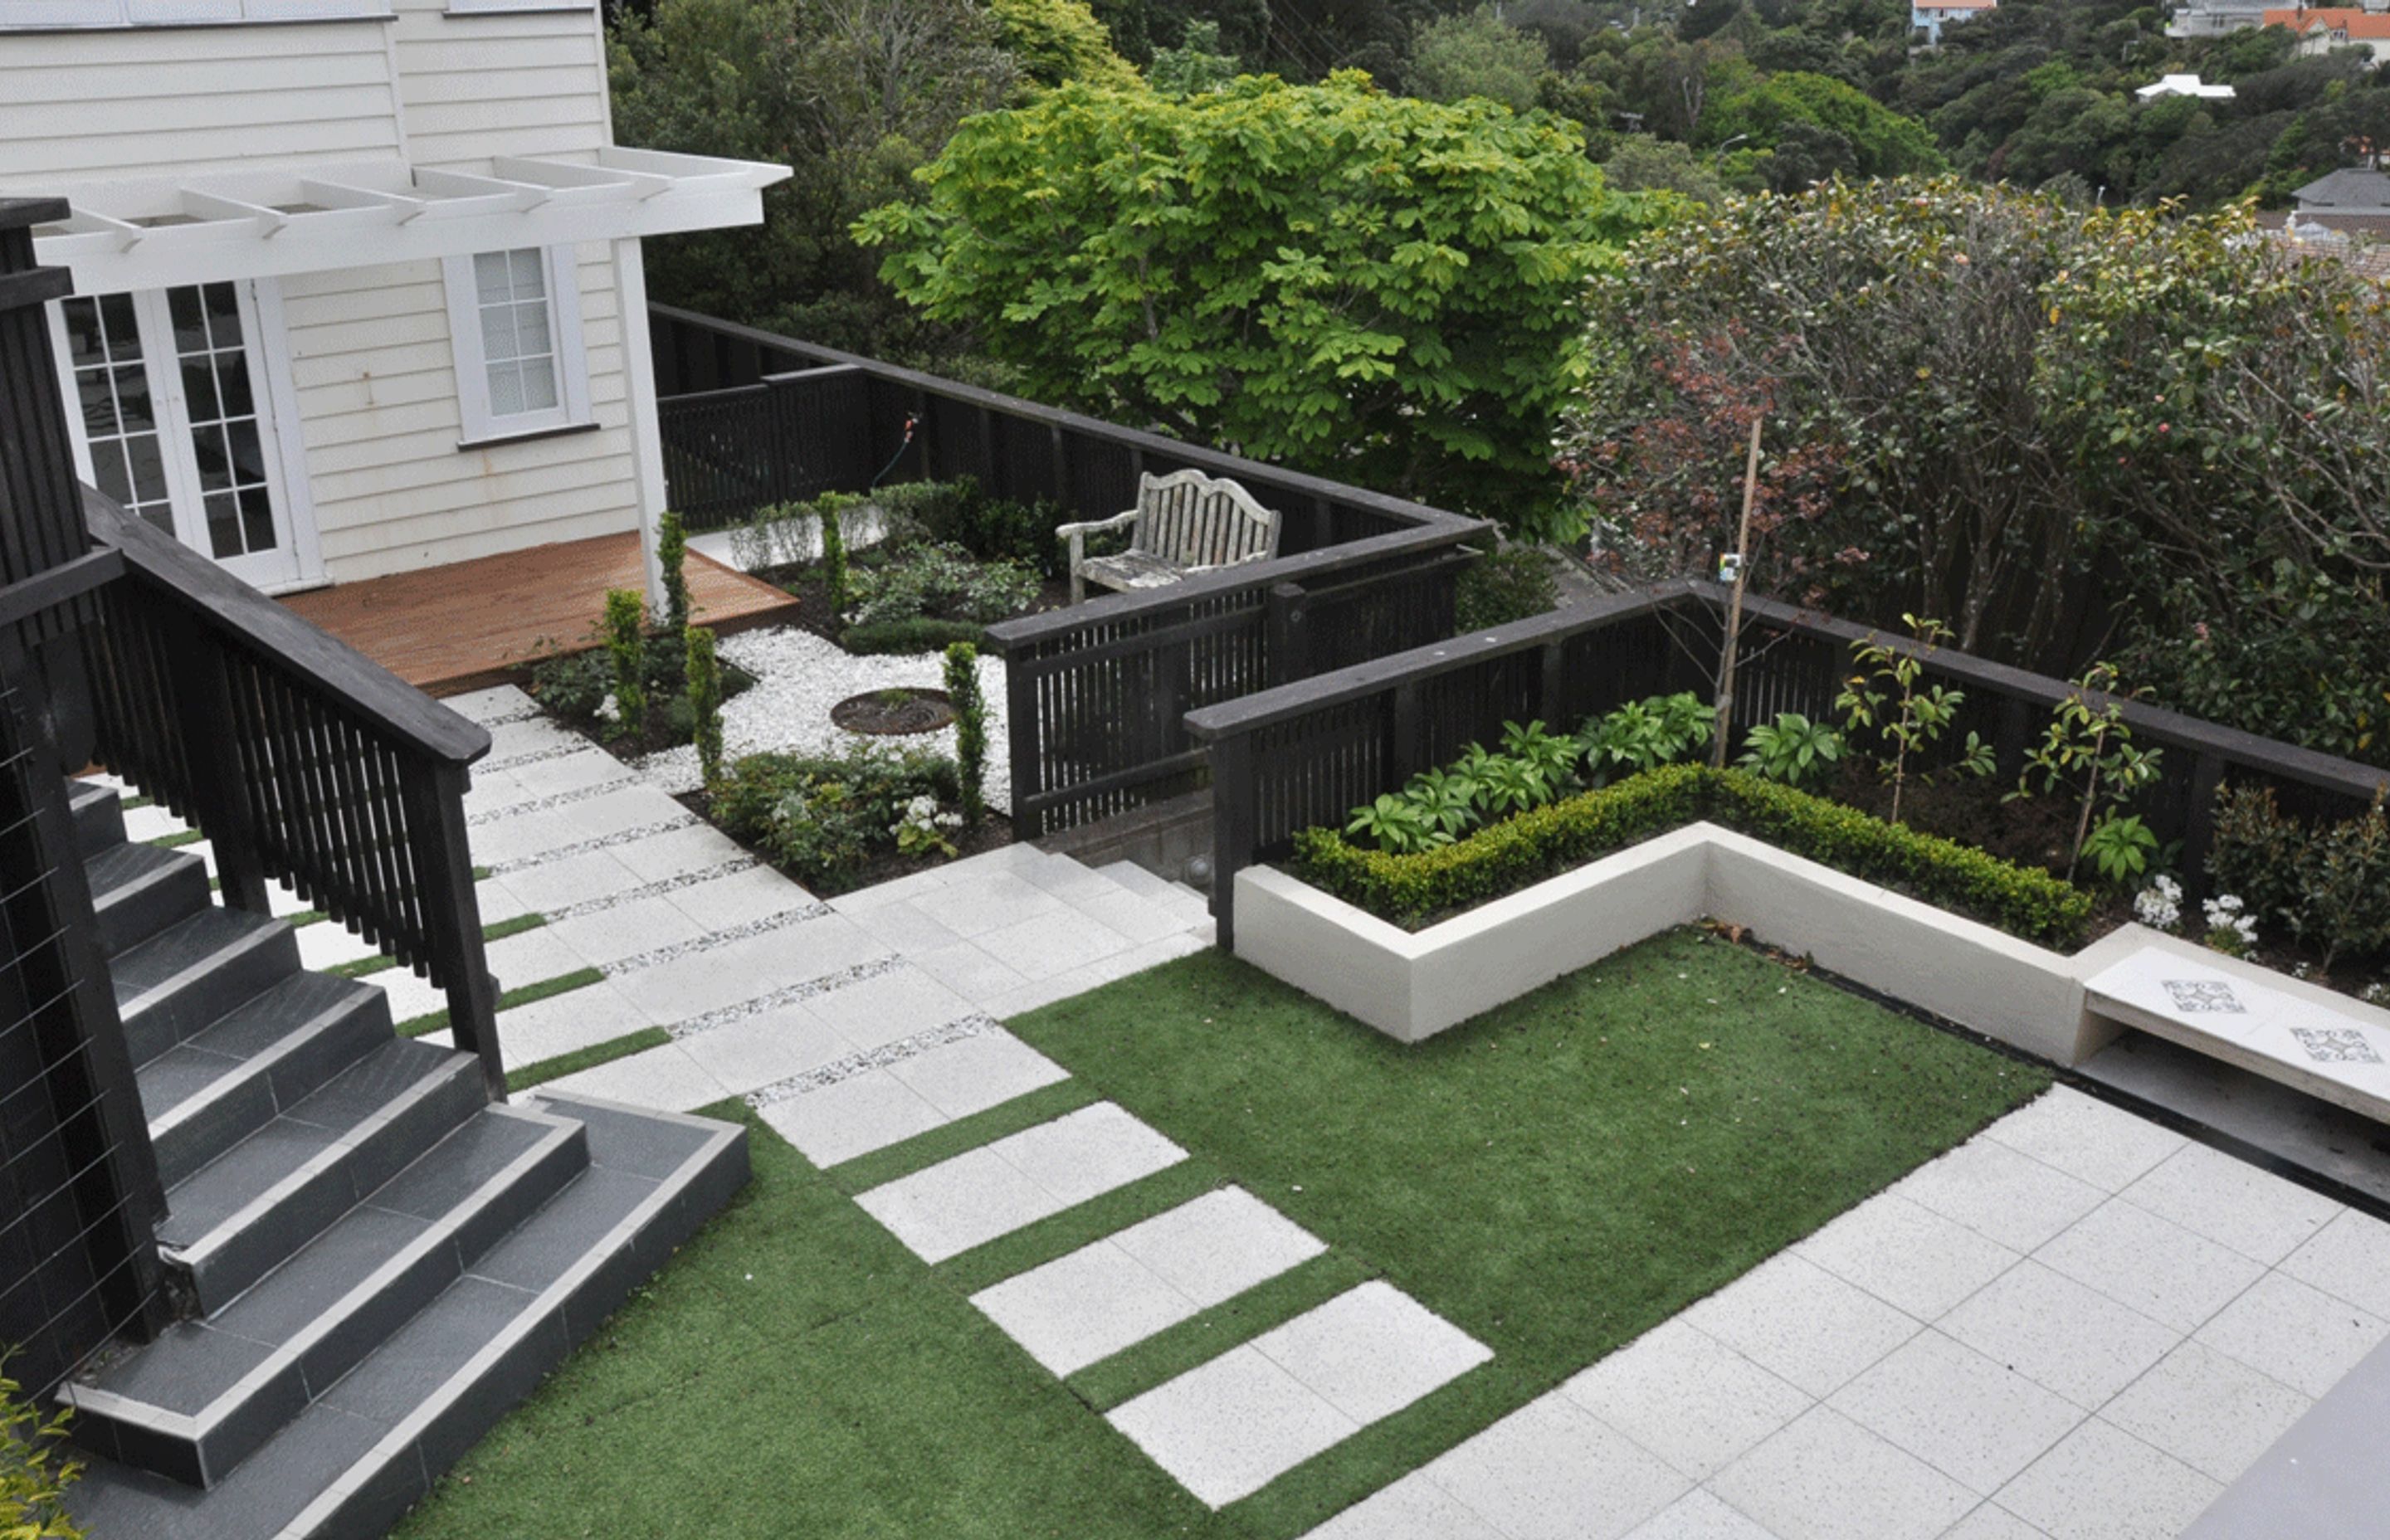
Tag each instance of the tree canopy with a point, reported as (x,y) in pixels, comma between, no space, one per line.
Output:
(1374,285)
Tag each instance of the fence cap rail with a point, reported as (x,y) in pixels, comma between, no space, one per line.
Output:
(276,635)
(1285,703)
(1005,636)
(1219,462)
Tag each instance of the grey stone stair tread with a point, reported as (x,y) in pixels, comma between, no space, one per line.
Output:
(352,1462)
(229,1183)
(178,1074)
(125,877)
(98,815)
(166,955)
(331,1305)
(253,1040)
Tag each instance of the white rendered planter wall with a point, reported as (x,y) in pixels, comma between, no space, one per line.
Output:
(1414,984)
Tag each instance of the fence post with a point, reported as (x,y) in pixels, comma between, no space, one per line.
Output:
(452,913)
(203,702)
(1286,634)
(780,408)
(2199,827)
(1022,733)
(1407,746)
(1062,488)
(1552,683)
(1232,830)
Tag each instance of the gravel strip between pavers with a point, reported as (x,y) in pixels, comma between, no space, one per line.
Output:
(881,1058)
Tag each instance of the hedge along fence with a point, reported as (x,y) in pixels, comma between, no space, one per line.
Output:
(1304,755)
(1520,851)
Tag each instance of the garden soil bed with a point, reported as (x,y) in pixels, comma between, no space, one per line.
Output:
(813,613)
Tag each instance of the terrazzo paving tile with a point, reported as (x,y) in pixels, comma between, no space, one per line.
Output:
(970,971)
(902,927)
(576,771)
(854,1116)
(1079,1309)
(2296,1333)
(1991,1521)
(576,879)
(1801,1322)
(771,1045)
(2102,1483)
(605,937)
(2059,1334)
(1215,1247)
(328,944)
(1225,1428)
(1826,1478)
(985,902)
(1371,1351)
(1411,1508)
(2349,1258)
(2233,1203)
(691,985)
(2213,1413)
(1046,944)
(1969,1418)
(972,1198)
(738,897)
(1686,1398)
(972,1074)
(1906,1255)
(1995,1191)
(2160,1269)
(1700,1515)
(673,851)
(663,1077)
(873,1012)
(561,1024)
(1551,1470)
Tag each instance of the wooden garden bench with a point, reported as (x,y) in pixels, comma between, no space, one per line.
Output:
(1183,523)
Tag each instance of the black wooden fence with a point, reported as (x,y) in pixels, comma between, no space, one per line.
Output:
(1098,693)
(1306,753)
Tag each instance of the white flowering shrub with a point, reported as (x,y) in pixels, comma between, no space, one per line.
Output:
(2230,930)
(2159,905)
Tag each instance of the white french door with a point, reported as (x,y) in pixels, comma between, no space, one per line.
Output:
(176,420)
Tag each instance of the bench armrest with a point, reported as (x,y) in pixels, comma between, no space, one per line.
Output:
(1095,526)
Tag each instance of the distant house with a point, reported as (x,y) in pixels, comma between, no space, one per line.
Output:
(1927,16)
(2215,18)
(2183,85)
(2321,29)
(2355,201)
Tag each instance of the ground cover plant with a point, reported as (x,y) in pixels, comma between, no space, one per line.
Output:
(1553,1178)
(838,821)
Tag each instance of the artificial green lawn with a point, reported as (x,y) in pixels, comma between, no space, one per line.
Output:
(1554,1179)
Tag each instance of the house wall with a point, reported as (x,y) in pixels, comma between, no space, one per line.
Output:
(369,347)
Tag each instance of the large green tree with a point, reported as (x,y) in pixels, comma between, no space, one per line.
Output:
(1375,287)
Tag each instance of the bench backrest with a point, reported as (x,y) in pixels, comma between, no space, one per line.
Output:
(1191,519)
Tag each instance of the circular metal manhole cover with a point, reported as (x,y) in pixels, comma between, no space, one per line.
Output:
(892,713)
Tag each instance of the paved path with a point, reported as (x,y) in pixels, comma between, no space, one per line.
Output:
(2077,1325)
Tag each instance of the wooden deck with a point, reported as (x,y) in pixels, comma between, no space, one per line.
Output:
(471,624)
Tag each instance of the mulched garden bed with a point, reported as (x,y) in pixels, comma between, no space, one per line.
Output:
(993,832)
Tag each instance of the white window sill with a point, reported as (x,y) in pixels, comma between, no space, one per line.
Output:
(526,435)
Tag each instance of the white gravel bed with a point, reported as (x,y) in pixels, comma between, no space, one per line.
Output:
(798,678)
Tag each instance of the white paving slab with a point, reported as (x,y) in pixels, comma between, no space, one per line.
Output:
(1371,1351)
(2102,1483)
(1699,1515)
(2296,1333)
(2233,1203)
(1686,1398)
(981,1194)
(1802,1324)
(1551,1470)
(852,1117)
(1826,1478)
(2064,1336)
(1225,1428)
(1411,1508)
(1906,1255)
(1997,1192)
(1977,1421)
(2349,1258)
(2214,1413)
(2154,1265)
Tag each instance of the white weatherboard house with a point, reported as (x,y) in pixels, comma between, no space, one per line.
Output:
(351,277)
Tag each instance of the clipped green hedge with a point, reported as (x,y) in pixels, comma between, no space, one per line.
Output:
(920,634)
(1517,853)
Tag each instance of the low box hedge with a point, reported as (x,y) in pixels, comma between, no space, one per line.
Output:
(1501,858)
(920,634)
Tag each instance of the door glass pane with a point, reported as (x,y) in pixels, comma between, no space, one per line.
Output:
(227,444)
(118,421)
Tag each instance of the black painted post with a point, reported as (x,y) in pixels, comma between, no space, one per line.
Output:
(1022,733)
(1551,681)
(2198,829)
(1232,830)
(203,706)
(1406,747)
(435,797)
(1286,634)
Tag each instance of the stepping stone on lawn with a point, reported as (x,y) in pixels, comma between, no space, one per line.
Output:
(1227,1429)
(972,1198)
(1085,1307)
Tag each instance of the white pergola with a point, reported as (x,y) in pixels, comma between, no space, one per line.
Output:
(223,226)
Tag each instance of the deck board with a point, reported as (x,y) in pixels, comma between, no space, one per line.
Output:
(471,624)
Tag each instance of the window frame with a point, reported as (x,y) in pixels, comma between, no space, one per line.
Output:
(479,423)
(503,7)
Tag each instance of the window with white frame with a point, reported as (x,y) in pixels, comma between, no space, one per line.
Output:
(520,367)
(164,13)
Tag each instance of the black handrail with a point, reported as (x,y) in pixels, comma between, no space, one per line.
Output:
(300,759)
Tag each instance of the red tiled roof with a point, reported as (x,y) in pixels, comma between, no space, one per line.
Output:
(2332,19)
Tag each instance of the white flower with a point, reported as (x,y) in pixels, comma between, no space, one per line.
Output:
(610,709)
(2375,994)
(2159,904)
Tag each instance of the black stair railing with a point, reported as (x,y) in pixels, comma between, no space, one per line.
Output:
(300,759)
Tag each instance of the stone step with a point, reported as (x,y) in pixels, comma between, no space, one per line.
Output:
(140,891)
(98,815)
(245,1213)
(1176,897)
(225,1083)
(192,973)
(355,1458)
(209,1393)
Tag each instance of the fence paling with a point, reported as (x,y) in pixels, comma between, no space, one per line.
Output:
(1302,755)
(300,762)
